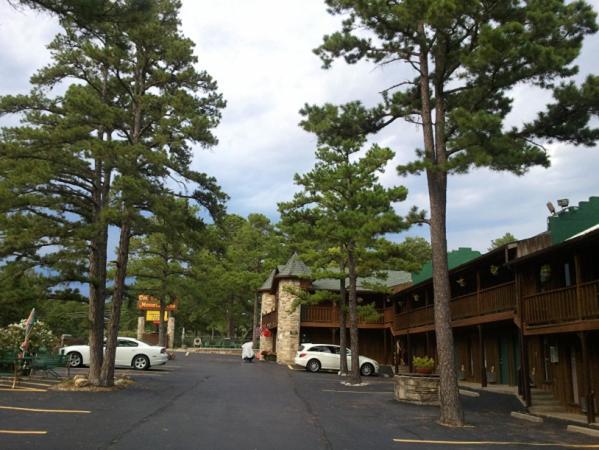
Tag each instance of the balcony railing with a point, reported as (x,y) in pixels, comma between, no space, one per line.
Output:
(487,301)
(562,305)
(270,320)
(329,315)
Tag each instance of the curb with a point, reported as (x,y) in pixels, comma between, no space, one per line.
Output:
(467,393)
(583,430)
(528,417)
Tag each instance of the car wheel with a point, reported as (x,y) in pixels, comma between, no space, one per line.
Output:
(141,362)
(367,369)
(75,359)
(313,365)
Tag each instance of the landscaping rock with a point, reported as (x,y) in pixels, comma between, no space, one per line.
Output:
(81,382)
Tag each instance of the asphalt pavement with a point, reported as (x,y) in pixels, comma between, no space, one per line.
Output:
(219,402)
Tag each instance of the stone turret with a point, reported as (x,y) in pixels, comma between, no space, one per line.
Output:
(278,293)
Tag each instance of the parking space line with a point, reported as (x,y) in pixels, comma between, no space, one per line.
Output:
(58,411)
(516,443)
(23,432)
(357,392)
(21,389)
(27,383)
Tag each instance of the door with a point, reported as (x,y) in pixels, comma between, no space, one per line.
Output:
(504,360)
(125,351)
(335,359)
(574,375)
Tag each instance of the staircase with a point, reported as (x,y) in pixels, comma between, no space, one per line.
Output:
(544,402)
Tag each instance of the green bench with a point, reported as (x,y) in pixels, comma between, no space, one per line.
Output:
(47,363)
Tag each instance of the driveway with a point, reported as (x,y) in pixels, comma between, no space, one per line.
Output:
(218,402)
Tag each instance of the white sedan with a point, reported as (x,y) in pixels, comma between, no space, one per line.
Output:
(129,353)
(315,357)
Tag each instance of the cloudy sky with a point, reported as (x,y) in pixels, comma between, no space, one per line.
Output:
(260,52)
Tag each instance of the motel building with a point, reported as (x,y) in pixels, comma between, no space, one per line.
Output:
(525,315)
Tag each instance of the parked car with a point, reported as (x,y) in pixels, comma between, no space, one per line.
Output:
(315,357)
(129,353)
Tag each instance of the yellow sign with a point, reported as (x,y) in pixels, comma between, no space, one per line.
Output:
(154,316)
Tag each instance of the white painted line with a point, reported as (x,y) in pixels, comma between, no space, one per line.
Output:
(58,411)
(26,432)
(488,443)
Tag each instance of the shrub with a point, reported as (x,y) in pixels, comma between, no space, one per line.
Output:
(423,362)
(40,338)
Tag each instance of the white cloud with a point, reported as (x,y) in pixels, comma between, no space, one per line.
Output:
(260,52)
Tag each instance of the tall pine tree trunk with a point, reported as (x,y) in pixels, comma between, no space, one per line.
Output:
(342,326)
(117,301)
(354,375)
(435,153)
(97,271)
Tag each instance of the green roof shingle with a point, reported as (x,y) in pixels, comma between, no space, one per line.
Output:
(455,258)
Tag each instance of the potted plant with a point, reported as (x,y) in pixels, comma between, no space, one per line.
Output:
(423,364)
(268,356)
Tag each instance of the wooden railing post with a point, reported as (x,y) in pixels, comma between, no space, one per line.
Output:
(578,281)
(478,307)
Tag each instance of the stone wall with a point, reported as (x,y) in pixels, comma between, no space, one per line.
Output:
(288,336)
(268,304)
(420,390)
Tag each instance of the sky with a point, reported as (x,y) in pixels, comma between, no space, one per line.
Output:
(260,52)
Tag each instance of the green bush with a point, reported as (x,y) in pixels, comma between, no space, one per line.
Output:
(423,362)
(40,338)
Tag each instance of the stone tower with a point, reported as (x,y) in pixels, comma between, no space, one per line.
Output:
(278,295)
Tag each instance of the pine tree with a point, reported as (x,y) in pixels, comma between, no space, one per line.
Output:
(351,208)
(102,153)
(466,56)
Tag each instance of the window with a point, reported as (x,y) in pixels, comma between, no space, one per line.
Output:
(320,348)
(124,343)
(334,349)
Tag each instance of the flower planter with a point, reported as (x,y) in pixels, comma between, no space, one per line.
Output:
(424,370)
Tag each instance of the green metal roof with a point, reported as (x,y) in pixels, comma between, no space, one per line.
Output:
(394,277)
(573,220)
(454,258)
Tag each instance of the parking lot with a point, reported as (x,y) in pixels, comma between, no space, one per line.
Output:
(218,402)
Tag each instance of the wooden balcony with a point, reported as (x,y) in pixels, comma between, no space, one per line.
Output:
(270,320)
(478,307)
(565,306)
(328,316)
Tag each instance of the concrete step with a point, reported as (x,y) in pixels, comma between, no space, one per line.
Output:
(546,408)
(545,401)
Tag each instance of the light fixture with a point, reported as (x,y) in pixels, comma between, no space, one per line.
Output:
(563,202)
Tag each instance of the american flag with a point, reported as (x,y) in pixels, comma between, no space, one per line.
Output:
(28,327)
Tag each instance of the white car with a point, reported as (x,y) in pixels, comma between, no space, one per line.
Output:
(315,357)
(129,353)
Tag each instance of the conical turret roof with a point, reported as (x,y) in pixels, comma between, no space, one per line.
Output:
(294,268)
